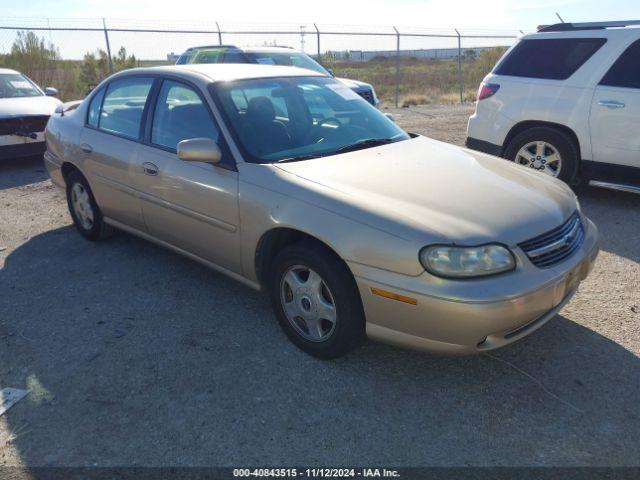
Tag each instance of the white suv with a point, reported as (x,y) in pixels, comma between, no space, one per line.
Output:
(566,101)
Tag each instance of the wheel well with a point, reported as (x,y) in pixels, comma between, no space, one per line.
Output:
(274,241)
(522,126)
(67,168)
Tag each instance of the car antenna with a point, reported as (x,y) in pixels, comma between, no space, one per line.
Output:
(558,15)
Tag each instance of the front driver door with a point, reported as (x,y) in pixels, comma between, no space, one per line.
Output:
(190,205)
(615,112)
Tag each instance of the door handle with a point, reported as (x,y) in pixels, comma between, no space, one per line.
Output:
(150,168)
(86,148)
(611,104)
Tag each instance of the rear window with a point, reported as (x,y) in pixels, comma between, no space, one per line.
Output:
(552,59)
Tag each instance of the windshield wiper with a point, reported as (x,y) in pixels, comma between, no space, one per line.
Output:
(360,145)
(366,143)
(300,158)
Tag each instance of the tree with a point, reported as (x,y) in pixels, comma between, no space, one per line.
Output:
(95,66)
(470,54)
(121,61)
(32,56)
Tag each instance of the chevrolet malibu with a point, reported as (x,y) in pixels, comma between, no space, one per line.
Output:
(287,181)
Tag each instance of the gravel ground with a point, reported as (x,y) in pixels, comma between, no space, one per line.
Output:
(137,356)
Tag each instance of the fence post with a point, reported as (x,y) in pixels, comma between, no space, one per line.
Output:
(106,37)
(318,42)
(219,34)
(460,65)
(397,66)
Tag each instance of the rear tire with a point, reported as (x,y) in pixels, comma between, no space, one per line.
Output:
(83,208)
(316,300)
(556,140)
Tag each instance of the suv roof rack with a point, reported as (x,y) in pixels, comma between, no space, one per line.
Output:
(565,27)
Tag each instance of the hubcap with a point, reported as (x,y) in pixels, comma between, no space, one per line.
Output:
(308,303)
(82,206)
(541,156)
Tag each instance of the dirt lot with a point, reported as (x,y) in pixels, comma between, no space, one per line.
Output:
(137,356)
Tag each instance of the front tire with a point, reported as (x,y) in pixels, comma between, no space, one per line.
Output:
(548,150)
(83,208)
(316,300)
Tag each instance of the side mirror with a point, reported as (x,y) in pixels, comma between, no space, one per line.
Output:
(51,92)
(390,117)
(199,150)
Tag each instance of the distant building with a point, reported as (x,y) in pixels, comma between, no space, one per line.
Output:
(434,53)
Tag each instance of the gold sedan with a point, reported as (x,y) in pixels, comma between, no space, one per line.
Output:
(287,181)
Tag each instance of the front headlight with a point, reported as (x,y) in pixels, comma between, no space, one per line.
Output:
(465,262)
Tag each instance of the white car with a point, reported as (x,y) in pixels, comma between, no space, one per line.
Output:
(24,111)
(566,101)
(271,56)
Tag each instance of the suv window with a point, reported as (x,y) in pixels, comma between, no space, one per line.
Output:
(209,55)
(180,114)
(626,71)
(552,59)
(123,106)
(93,115)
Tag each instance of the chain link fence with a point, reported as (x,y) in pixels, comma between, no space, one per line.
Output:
(405,65)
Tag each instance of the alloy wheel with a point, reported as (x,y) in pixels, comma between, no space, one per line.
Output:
(540,156)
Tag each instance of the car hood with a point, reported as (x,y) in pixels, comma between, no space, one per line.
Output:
(41,105)
(355,84)
(428,188)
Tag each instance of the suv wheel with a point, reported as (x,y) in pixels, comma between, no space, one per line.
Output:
(546,150)
(316,300)
(83,208)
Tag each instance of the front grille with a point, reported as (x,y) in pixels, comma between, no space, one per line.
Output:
(551,248)
(367,95)
(23,125)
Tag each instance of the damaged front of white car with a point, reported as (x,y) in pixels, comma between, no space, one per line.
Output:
(24,112)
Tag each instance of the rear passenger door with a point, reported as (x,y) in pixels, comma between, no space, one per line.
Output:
(190,205)
(615,112)
(109,147)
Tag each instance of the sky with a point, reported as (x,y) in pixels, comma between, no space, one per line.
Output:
(469,16)
(519,14)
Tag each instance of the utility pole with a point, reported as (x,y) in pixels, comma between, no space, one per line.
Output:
(106,37)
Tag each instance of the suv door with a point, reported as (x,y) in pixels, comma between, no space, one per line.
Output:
(615,112)
(109,146)
(189,205)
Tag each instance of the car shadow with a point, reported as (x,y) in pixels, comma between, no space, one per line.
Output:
(134,355)
(17,172)
(614,213)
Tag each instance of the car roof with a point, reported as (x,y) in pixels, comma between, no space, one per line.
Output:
(246,49)
(8,70)
(224,72)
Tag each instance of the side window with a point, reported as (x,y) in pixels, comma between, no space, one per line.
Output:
(179,115)
(93,115)
(625,72)
(123,106)
(551,59)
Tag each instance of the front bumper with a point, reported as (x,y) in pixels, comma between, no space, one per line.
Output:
(15,146)
(467,323)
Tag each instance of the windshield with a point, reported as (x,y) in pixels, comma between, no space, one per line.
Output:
(294,118)
(291,59)
(13,85)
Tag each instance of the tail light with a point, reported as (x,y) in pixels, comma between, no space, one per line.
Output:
(487,90)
